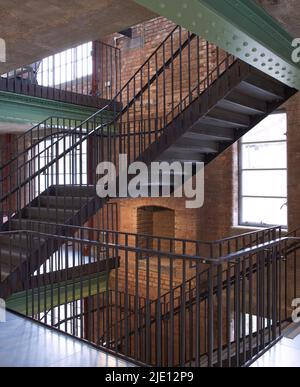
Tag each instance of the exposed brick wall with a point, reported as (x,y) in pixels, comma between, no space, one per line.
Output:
(167,217)
(146,38)
(186,220)
(292,108)
(156,221)
(219,213)
(164,226)
(216,215)
(144,222)
(168,90)
(215,219)
(9,148)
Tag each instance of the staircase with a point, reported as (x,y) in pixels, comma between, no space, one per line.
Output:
(188,102)
(232,105)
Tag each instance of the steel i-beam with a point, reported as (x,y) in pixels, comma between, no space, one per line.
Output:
(240,27)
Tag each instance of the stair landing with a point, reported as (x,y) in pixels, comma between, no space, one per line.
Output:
(285,354)
(24,343)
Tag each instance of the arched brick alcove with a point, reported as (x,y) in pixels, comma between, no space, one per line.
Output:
(156,221)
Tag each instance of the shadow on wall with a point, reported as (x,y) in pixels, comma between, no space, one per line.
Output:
(156,221)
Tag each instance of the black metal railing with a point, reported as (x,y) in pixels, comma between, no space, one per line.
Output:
(92,69)
(181,68)
(161,308)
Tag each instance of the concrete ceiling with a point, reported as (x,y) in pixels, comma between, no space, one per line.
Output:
(12,128)
(34,29)
(286,12)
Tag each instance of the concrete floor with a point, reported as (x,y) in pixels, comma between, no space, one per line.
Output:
(24,343)
(284,354)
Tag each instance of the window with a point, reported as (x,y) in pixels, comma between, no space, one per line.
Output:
(67,317)
(263,174)
(67,66)
(70,169)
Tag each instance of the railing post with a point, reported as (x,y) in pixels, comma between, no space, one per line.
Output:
(210,316)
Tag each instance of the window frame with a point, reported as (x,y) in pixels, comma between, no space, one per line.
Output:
(240,179)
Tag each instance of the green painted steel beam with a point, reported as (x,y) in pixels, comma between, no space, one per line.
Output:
(240,27)
(48,297)
(22,109)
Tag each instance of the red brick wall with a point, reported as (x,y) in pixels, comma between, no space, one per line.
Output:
(146,38)
(172,220)
(8,147)
(168,90)
(292,108)
(217,215)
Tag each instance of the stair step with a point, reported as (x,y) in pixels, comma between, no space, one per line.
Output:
(181,155)
(244,103)
(4,272)
(10,259)
(12,256)
(73,191)
(193,145)
(209,133)
(264,89)
(226,118)
(45,214)
(31,225)
(268,84)
(68,202)
(20,240)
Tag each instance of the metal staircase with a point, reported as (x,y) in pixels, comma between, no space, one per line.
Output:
(188,102)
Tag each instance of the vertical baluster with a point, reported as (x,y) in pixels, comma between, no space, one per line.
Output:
(136,303)
(220,310)
(159,311)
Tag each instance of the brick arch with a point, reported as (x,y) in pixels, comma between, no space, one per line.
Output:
(156,221)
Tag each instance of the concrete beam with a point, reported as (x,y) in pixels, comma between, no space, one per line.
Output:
(35,29)
(286,12)
(19,113)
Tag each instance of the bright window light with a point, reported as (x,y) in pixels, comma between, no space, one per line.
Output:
(263,173)
(67,66)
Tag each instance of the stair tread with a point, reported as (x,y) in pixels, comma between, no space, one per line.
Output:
(18,240)
(20,224)
(227,116)
(206,133)
(69,203)
(244,102)
(44,213)
(201,146)
(73,190)
(12,255)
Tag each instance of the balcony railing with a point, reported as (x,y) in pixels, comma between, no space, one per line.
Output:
(171,304)
(75,75)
